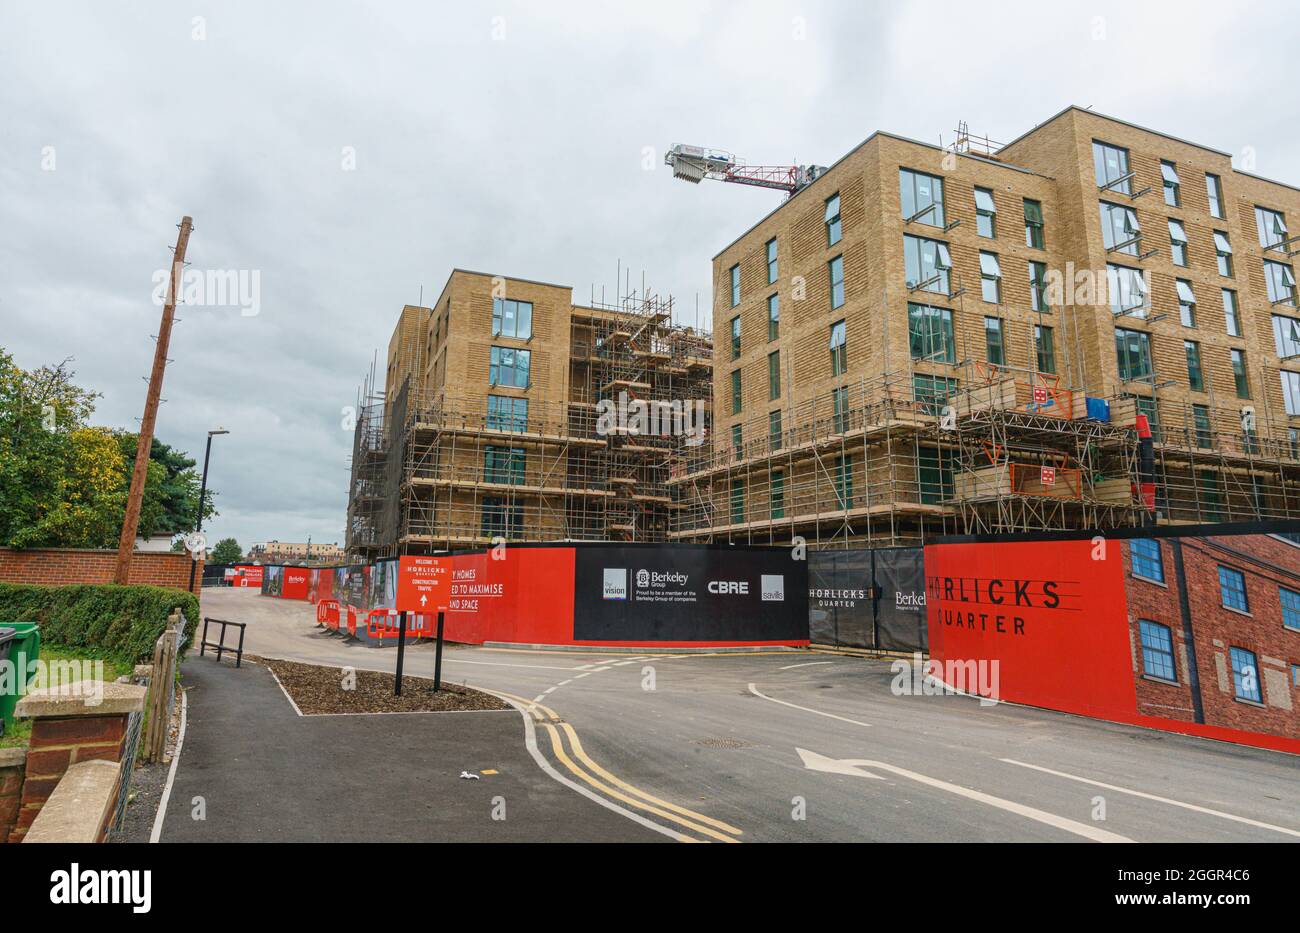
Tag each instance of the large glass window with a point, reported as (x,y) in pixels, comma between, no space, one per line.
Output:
(1110,165)
(735,337)
(1133,353)
(836,269)
(1214,191)
(1128,290)
(839,349)
(934,474)
(1195,375)
(1232,589)
(501,519)
(994,346)
(1231,322)
(926,264)
(504,465)
(1172,185)
(1033,224)
(1239,377)
(1038,286)
(986,213)
(922,197)
(832,217)
(1280,281)
(1286,335)
(1245,675)
(1120,231)
(932,392)
(1046,348)
(1157,650)
(1290,600)
(735,285)
(737,400)
(1186,302)
(737,502)
(1291,391)
(1204,428)
(840,407)
(990,278)
(1147,560)
(512,318)
(506,413)
(1178,242)
(778,494)
(509,367)
(1223,253)
(773,317)
(1271,226)
(773,376)
(844,481)
(931,333)
(772,268)
(774,428)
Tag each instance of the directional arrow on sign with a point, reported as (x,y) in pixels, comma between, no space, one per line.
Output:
(424,600)
(855,767)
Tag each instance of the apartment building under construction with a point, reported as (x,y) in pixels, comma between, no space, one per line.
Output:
(962,339)
(511,412)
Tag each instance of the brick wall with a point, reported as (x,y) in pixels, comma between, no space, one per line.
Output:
(13,763)
(63,566)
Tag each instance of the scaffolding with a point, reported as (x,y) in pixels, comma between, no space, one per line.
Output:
(437,472)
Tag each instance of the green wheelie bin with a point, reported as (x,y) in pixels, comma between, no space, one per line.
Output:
(20,645)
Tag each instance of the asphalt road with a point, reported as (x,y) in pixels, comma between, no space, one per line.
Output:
(798,746)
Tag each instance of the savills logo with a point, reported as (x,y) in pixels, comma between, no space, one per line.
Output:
(615,586)
(104,886)
(772,586)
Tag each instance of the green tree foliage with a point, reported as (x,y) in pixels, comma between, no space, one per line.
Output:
(227,551)
(64,483)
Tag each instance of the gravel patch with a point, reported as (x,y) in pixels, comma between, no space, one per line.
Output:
(316,690)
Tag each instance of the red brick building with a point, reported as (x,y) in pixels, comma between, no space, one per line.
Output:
(1214,626)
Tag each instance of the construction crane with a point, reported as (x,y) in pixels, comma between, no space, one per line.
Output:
(694,164)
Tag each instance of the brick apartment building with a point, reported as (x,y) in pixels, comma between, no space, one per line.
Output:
(1005,285)
(1231,604)
(289,552)
(489,423)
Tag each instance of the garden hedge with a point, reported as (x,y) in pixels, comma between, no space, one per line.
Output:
(121,621)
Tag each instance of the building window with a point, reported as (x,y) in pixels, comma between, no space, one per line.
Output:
(839,350)
(1147,560)
(993,344)
(737,502)
(931,333)
(840,408)
(1214,190)
(1280,281)
(509,367)
(1286,335)
(1245,675)
(1173,187)
(1046,349)
(1195,376)
(735,337)
(1239,377)
(774,376)
(778,495)
(774,429)
(773,317)
(836,267)
(1291,391)
(512,318)
(934,475)
(1290,608)
(737,402)
(1271,226)
(737,440)
(931,393)
(926,264)
(1231,322)
(772,269)
(832,220)
(1110,165)
(1223,253)
(1038,286)
(922,197)
(1132,354)
(986,213)
(1033,224)
(504,465)
(1157,650)
(1147,407)
(735,285)
(844,481)
(1204,431)
(500,519)
(1120,231)
(1128,290)
(505,413)
(1186,302)
(1232,589)
(990,278)
(1178,242)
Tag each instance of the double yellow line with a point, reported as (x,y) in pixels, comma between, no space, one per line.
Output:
(591,773)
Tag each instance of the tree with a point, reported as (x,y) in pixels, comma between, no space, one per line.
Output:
(171,491)
(227,551)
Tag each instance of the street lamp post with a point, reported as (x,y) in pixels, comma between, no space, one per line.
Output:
(203,491)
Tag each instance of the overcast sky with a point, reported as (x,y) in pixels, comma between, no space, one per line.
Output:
(350,153)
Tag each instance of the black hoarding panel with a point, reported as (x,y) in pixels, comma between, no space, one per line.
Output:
(900,610)
(839,598)
(689,594)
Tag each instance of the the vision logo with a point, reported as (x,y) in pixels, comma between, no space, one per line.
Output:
(615,583)
(103,886)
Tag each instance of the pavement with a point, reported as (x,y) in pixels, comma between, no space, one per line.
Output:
(781,746)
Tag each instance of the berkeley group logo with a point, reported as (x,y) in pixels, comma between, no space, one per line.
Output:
(773,587)
(642,578)
(615,583)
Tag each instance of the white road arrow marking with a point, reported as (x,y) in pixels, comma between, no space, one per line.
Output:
(854,766)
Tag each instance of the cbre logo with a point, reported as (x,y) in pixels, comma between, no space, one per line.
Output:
(724,587)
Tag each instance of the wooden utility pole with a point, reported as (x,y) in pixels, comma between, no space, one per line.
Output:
(131,522)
